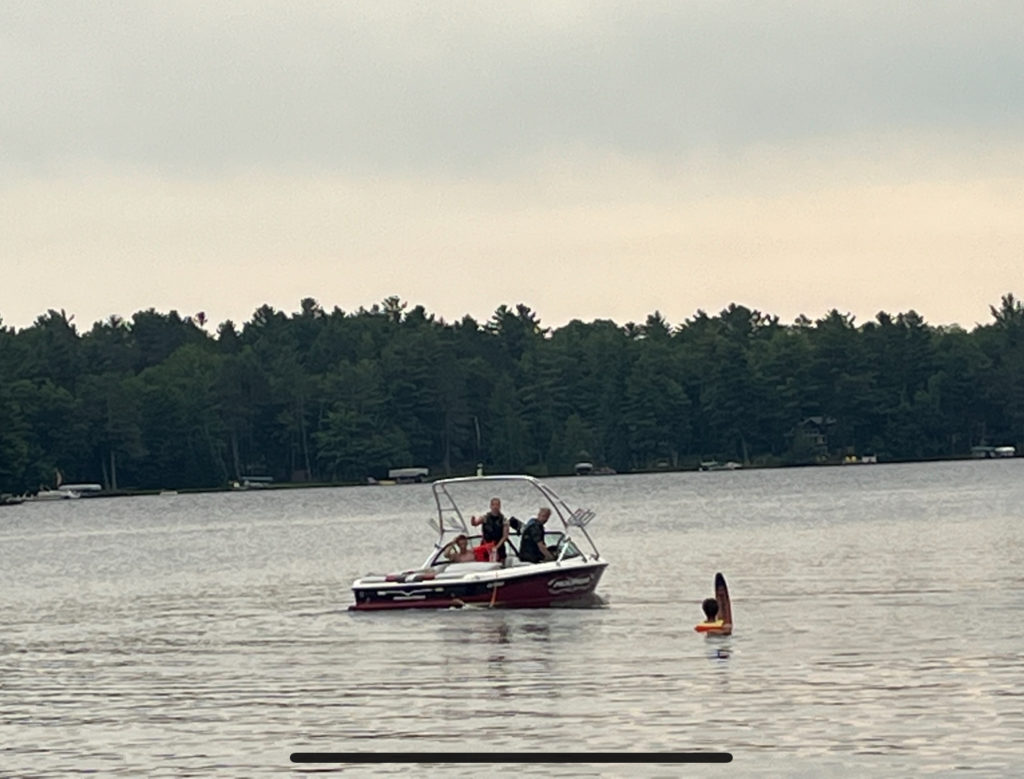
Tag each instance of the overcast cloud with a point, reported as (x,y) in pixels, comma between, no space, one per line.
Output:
(591,159)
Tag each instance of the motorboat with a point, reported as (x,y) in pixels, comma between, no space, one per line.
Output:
(588,469)
(715,465)
(570,579)
(253,483)
(68,492)
(55,495)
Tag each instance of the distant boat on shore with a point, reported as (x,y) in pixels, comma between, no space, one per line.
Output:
(408,475)
(588,469)
(987,452)
(714,465)
(253,483)
(68,492)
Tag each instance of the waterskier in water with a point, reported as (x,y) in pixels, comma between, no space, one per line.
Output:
(717,611)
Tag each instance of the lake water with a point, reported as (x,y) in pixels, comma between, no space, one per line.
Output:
(878,629)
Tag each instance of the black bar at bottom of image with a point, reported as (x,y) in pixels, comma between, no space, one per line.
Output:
(511,757)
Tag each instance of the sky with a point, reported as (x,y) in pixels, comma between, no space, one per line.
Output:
(592,159)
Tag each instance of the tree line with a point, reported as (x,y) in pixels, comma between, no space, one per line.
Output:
(326,397)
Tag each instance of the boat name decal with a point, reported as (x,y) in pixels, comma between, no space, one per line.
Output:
(415,594)
(568,584)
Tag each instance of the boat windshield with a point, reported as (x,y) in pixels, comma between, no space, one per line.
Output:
(557,542)
(460,499)
(561,545)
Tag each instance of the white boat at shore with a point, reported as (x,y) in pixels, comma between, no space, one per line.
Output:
(715,465)
(67,492)
(990,452)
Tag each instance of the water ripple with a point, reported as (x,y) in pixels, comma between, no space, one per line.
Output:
(206,635)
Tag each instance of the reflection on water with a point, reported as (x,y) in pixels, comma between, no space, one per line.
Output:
(719,649)
(208,634)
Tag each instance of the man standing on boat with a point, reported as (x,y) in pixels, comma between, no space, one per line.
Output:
(495,528)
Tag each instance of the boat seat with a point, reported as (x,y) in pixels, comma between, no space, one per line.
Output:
(460,569)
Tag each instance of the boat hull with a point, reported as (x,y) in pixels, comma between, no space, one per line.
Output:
(538,586)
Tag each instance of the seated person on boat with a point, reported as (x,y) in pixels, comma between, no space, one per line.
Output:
(532,548)
(458,550)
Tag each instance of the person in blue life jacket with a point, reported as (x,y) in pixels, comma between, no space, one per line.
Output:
(532,548)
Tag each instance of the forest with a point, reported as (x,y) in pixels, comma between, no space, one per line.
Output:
(316,396)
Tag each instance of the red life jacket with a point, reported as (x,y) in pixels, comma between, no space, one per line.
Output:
(485,552)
